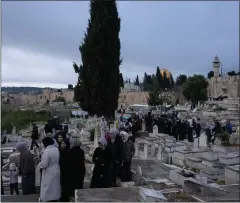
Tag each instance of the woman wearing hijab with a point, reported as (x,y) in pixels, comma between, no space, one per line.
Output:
(26,169)
(76,166)
(116,147)
(64,155)
(100,171)
(52,136)
(50,190)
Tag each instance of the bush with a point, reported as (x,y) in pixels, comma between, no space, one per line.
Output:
(21,119)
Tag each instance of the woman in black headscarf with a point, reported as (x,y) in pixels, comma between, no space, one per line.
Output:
(76,166)
(64,164)
(100,171)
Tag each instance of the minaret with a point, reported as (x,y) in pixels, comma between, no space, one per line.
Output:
(216,66)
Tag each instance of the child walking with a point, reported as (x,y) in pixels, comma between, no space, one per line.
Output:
(13,178)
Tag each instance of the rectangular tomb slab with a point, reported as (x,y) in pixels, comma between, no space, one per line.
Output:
(150,195)
(194,162)
(118,194)
(229,159)
(232,174)
(212,173)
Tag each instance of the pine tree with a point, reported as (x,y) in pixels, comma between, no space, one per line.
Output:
(98,85)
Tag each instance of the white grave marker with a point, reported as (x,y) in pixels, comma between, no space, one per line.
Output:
(203,140)
(155,130)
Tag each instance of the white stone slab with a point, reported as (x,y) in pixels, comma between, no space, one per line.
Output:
(150,195)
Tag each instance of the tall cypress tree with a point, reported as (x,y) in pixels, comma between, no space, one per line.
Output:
(136,82)
(159,78)
(98,85)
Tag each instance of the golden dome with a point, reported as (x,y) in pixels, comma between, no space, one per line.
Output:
(167,73)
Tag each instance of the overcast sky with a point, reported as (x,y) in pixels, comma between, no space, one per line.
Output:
(41,39)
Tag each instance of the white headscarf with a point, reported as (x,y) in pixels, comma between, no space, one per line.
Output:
(103,141)
(113,133)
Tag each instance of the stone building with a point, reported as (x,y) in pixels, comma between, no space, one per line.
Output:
(223,85)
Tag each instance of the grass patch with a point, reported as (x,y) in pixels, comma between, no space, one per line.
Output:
(21,118)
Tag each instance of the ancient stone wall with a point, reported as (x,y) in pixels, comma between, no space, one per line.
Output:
(126,98)
(225,86)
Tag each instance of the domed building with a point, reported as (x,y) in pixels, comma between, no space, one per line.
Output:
(168,74)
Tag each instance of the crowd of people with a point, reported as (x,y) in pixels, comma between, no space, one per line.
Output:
(62,164)
(62,161)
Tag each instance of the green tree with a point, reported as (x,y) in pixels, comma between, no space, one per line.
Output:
(195,88)
(98,85)
(154,98)
(59,99)
(159,78)
(210,74)
(147,82)
(181,79)
(121,80)
(232,73)
(155,83)
(136,82)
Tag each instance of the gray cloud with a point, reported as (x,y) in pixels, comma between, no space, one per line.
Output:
(180,36)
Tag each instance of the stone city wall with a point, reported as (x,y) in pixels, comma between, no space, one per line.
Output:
(125,98)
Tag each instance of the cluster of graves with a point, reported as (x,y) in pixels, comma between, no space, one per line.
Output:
(163,169)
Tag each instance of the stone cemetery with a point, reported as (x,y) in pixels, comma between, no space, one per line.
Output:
(163,168)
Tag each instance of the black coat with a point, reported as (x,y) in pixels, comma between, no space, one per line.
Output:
(149,123)
(76,168)
(48,128)
(64,166)
(117,150)
(100,172)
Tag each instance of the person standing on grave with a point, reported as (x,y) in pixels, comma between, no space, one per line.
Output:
(50,189)
(26,169)
(149,122)
(129,151)
(34,136)
(76,166)
(100,175)
(64,169)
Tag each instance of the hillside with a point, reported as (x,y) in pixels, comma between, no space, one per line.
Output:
(17,90)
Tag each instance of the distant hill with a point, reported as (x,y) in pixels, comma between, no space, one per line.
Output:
(17,90)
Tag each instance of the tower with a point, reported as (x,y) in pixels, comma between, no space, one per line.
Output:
(216,66)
